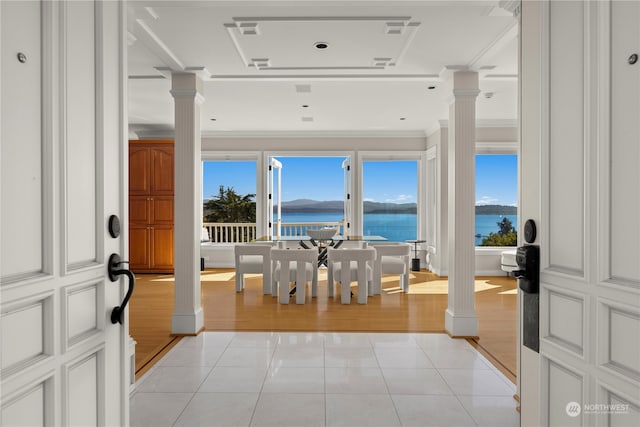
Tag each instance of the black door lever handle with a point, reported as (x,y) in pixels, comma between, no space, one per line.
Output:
(117,314)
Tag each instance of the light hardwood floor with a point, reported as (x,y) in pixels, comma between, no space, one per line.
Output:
(421,310)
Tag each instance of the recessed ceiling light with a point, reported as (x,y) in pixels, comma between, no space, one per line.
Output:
(321,45)
(431,87)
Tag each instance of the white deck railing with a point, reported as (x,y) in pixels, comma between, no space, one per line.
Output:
(226,232)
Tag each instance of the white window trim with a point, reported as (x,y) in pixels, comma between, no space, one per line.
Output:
(364,156)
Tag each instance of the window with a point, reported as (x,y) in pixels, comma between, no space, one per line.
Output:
(229,200)
(496,199)
(390,199)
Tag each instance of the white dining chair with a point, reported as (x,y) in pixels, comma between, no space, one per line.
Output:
(294,265)
(391,258)
(351,265)
(253,258)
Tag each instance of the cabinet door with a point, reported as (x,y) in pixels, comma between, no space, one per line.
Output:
(139,210)
(162,248)
(139,170)
(139,248)
(162,171)
(161,208)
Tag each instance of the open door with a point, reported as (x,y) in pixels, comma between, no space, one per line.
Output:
(587,157)
(346,167)
(274,195)
(62,141)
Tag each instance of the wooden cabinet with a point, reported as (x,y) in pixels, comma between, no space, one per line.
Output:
(151,200)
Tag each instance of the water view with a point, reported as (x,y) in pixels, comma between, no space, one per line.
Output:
(398,227)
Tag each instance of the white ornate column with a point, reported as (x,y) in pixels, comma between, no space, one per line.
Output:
(188,317)
(460,317)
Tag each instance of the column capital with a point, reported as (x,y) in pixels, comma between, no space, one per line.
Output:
(185,85)
(466,93)
(187,93)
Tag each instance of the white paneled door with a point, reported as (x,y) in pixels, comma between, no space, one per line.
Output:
(590,277)
(62,155)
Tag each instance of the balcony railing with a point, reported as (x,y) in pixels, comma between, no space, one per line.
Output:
(224,232)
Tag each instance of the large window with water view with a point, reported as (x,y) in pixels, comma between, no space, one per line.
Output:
(312,195)
(496,200)
(390,190)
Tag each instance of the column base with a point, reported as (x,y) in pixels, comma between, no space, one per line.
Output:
(460,325)
(187,324)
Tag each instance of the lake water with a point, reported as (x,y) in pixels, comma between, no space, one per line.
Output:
(397,227)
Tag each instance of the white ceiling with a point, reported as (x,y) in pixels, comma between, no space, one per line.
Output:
(254,56)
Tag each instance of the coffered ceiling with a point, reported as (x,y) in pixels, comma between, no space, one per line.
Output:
(320,66)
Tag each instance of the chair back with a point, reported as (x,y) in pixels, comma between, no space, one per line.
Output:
(392,258)
(297,265)
(347,265)
(253,258)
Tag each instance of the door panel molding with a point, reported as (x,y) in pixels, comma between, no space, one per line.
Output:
(81,306)
(31,344)
(590,299)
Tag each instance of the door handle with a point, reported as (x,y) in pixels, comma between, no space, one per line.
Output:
(114,270)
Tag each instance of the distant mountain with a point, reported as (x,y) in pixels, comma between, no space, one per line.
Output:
(496,210)
(308,205)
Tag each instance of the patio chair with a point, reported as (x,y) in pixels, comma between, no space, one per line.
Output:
(294,265)
(350,265)
(391,258)
(253,258)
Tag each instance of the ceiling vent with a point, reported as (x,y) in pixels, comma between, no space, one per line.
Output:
(307,119)
(303,88)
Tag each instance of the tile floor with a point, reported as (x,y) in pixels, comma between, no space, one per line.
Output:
(323,379)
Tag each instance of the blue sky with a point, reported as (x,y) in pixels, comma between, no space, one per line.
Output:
(321,178)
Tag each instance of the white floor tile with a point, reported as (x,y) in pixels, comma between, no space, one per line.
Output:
(218,409)
(393,340)
(407,357)
(234,379)
(415,381)
(192,356)
(157,409)
(294,380)
(346,340)
(298,379)
(298,357)
(492,411)
(355,380)
(255,339)
(459,359)
(257,357)
(174,379)
(301,339)
(440,342)
(356,357)
(208,339)
(475,382)
(351,410)
(289,410)
(428,411)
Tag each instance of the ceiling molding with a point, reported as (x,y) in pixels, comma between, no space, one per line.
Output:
(146,35)
(487,123)
(329,77)
(147,132)
(314,134)
(244,30)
